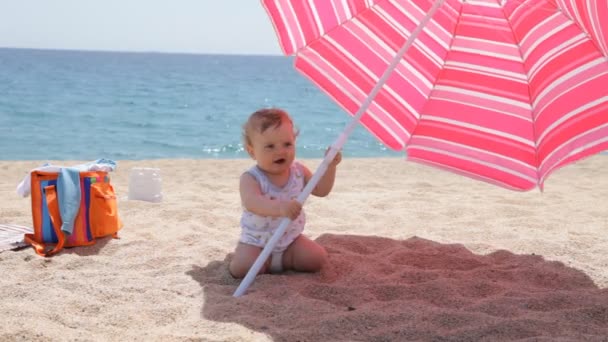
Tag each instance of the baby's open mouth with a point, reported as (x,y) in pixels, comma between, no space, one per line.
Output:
(280,161)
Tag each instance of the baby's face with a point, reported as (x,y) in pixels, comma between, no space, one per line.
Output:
(274,149)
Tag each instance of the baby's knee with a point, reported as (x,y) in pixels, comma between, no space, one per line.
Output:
(320,252)
(238,270)
(323,253)
(317,260)
(322,257)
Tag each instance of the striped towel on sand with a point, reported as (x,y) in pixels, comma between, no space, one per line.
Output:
(11,236)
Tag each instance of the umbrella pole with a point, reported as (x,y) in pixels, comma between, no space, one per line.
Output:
(335,147)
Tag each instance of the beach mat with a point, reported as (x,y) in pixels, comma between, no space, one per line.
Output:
(11,236)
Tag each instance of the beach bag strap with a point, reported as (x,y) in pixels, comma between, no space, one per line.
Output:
(41,248)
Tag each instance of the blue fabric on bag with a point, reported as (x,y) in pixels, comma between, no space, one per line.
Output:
(68,193)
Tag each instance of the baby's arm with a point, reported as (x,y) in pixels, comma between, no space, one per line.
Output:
(326,183)
(255,202)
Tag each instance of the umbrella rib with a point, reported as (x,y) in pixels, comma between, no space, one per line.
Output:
(465,173)
(477,161)
(474,149)
(602,49)
(532,116)
(324,34)
(574,152)
(434,83)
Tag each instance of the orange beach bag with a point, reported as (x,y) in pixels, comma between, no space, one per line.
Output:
(97,215)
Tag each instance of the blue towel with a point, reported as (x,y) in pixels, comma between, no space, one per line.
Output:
(68,190)
(68,193)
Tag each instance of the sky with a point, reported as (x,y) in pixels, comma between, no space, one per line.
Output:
(190,26)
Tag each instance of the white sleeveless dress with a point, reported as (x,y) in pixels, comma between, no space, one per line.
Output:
(256,230)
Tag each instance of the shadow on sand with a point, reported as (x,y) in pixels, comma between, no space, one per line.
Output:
(379,289)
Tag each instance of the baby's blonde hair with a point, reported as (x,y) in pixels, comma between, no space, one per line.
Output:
(263,119)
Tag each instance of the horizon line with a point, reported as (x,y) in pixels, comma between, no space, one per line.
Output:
(144,51)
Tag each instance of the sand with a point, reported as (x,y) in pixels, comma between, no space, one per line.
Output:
(415,253)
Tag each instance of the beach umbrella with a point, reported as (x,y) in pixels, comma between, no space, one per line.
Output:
(505,91)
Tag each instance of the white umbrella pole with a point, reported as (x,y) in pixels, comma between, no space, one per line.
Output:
(336,146)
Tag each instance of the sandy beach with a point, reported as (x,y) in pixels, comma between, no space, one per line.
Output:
(415,253)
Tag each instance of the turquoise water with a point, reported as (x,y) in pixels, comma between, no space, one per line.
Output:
(88,105)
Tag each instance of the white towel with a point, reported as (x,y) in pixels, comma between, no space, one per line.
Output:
(24,187)
(11,236)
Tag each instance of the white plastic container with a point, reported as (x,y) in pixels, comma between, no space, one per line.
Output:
(145,184)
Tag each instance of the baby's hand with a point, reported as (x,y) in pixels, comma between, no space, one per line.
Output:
(337,158)
(290,209)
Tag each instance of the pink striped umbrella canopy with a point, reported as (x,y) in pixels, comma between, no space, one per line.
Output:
(505,91)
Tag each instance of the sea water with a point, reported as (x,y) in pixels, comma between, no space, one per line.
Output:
(83,105)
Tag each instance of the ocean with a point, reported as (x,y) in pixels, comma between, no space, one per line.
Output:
(83,105)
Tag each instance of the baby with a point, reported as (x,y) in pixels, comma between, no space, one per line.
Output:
(268,193)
